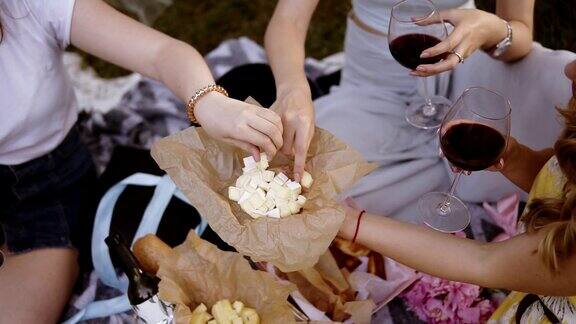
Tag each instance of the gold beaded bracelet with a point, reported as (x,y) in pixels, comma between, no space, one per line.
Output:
(199,94)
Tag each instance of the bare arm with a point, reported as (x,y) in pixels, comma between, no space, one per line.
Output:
(284,42)
(102,31)
(522,164)
(520,14)
(512,264)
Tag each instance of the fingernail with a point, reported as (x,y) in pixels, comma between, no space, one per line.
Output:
(412,73)
(424,55)
(421,69)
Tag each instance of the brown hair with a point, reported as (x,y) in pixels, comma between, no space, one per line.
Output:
(558,216)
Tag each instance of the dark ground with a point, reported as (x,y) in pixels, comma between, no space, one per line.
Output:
(205,23)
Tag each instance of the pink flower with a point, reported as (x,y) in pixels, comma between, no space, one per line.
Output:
(469,314)
(486,307)
(437,310)
(463,295)
(441,301)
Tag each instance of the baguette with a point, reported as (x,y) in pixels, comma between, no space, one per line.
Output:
(149,250)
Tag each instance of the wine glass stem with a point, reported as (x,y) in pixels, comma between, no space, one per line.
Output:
(428,109)
(444,208)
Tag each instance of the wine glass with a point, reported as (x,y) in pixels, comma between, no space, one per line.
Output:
(473,136)
(416,25)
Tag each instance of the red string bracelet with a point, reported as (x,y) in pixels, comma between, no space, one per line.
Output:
(357,226)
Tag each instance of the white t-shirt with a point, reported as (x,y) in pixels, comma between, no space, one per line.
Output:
(37,102)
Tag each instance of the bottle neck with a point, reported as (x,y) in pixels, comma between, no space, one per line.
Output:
(128,263)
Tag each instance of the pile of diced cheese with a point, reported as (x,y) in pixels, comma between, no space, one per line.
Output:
(261,192)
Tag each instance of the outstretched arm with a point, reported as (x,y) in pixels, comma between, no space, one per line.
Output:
(104,32)
(512,264)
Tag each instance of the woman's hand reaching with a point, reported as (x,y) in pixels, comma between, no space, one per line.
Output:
(294,105)
(246,126)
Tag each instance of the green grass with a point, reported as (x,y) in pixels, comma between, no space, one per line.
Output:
(205,23)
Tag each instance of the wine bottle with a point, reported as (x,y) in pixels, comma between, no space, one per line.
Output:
(142,286)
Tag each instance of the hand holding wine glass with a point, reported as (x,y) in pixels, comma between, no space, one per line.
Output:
(416,25)
(473,29)
(473,137)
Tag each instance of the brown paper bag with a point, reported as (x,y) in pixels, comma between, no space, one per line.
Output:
(198,272)
(203,168)
(323,285)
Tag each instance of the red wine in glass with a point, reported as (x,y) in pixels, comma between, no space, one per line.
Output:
(472,146)
(406,49)
(473,136)
(416,25)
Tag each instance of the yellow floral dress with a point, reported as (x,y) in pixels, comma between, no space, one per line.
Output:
(536,309)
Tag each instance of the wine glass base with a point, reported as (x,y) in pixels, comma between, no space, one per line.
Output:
(419,116)
(451,220)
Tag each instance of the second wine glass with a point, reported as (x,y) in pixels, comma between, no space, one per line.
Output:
(473,137)
(416,25)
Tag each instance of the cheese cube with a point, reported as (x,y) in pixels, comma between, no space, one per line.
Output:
(274,213)
(249,161)
(268,175)
(306,180)
(294,208)
(244,197)
(270,204)
(259,212)
(256,175)
(284,210)
(247,206)
(254,183)
(264,185)
(253,214)
(263,208)
(242,181)
(249,169)
(257,201)
(250,189)
(293,185)
(263,164)
(282,193)
(301,200)
(280,178)
(294,188)
(275,187)
(261,192)
(234,193)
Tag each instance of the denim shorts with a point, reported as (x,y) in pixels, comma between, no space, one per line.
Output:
(45,202)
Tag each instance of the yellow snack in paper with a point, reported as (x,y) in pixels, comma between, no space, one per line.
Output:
(249,316)
(223,312)
(200,315)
